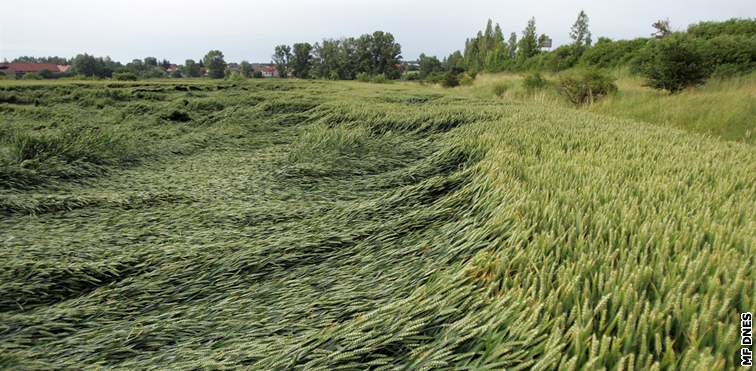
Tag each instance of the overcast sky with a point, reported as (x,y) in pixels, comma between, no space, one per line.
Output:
(249,30)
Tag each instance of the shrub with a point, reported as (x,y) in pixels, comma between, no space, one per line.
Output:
(124,76)
(533,82)
(729,55)
(450,80)
(363,76)
(710,29)
(47,74)
(729,70)
(379,79)
(562,58)
(257,74)
(585,87)
(435,77)
(32,76)
(607,53)
(674,63)
(411,76)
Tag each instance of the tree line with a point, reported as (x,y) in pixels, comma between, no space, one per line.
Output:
(670,60)
(341,59)
(212,64)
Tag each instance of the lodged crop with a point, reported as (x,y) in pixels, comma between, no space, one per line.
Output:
(333,225)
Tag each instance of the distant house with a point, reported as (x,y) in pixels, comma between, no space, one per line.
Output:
(233,67)
(171,68)
(267,69)
(20,69)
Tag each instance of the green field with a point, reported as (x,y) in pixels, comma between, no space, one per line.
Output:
(340,225)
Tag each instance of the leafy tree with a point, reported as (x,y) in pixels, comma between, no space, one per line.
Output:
(281,56)
(136,67)
(151,61)
(580,35)
(216,65)
(607,53)
(488,36)
(386,55)
(301,60)
(562,58)
(192,69)
(474,53)
(245,68)
(87,65)
(428,65)
(455,60)
(30,59)
(528,46)
(662,28)
(326,59)
(734,27)
(543,40)
(165,64)
(512,45)
(450,80)
(674,63)
(371,54)
(348,64)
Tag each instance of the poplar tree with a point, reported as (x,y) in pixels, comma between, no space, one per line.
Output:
(579,33)
(528,46)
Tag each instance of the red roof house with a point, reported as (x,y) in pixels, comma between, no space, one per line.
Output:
(18,69)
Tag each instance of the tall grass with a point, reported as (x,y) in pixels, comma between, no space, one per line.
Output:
(721,108)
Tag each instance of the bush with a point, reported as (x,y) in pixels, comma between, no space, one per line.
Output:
(710,29)
(124,76)
(363,76)
(450,80)
(585,87)
(435,77)
(729,55)
(562,58)
(533,82)
(257,74)
(379,79)
(411,76)
(674,63)
(725,71)
(32,76)
(607,53)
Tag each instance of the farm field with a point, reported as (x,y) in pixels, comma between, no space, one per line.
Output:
(289,224)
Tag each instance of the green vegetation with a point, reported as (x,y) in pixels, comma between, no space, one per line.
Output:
(670,61)
(724,108)
(583,87)
(215,63)
(274,224)
(376,54)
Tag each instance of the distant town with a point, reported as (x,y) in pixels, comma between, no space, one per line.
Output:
(18,70)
